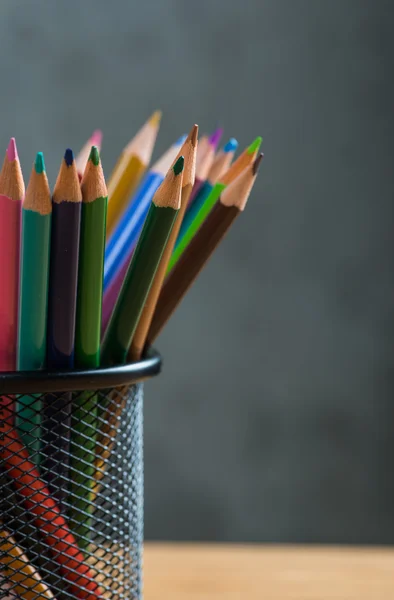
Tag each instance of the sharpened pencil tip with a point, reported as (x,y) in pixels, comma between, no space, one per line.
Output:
(96,138)
(156,118)
(215,137)
(178,166)
(255,145)
(39,163)
(94,156)
(231,145)
(69,157)
(12,152)
(194,135)
(257,163)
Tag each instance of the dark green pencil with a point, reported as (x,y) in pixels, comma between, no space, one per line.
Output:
(157,228)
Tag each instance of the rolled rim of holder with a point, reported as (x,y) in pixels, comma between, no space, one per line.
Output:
(31,382)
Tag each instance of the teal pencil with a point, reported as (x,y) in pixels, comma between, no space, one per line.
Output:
(36,235)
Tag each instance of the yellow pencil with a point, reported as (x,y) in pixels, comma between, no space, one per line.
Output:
(15,566)
(129,169)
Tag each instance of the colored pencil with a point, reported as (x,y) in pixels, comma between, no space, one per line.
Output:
(47,516)
(243,161)
(230,205)
(157,228)
(66,216)
(82,158)
(14,564)
(120,246)
(205,162)
(189,151)
(12,191)
(36,237)
(219,166)
(129,169)
(87,343)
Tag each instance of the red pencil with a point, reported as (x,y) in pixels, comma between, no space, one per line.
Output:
(12,191)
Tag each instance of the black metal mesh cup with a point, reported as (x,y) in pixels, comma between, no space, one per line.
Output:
(71,482)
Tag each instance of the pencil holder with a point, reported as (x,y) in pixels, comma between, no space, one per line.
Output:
(71,482)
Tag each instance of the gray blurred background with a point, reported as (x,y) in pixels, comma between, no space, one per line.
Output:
(274,416)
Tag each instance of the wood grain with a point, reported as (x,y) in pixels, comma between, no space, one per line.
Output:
(213,572)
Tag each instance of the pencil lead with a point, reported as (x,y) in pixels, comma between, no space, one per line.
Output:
(178,166)
(69,157)
(94,156)
(231,145)
(39,163)
(257,162)
(96,138)
(194,135)
(156,118)
(255,145)
(12,153)
(215,137)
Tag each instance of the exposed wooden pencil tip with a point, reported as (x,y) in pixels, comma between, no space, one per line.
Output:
(94,156)
(194,135)
(97,138)
(69,157)
(178,166)
(12,153)
(39,163)
(257,162)
(156,118)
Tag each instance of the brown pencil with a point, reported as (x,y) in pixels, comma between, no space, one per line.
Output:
(229,206)
(189,151)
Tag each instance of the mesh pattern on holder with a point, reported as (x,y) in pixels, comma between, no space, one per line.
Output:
(71,494)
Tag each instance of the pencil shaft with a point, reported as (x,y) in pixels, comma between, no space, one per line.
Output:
(61,328)
(137,283)
(90,284)
(142,329)
(125,235)
(36,236)
(87,356)
(66,218)
(190,264)
(193,209)
(123,188)
(10,221)
(194,226)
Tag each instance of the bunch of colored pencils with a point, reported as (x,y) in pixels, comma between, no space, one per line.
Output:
(86,285)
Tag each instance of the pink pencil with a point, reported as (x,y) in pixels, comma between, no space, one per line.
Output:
(112,292)
(12,191)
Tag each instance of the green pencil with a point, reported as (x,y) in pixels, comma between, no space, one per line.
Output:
(243,161)
(36,236)
(87,343)
(141,272)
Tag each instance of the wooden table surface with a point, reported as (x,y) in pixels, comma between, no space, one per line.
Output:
(213,572)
